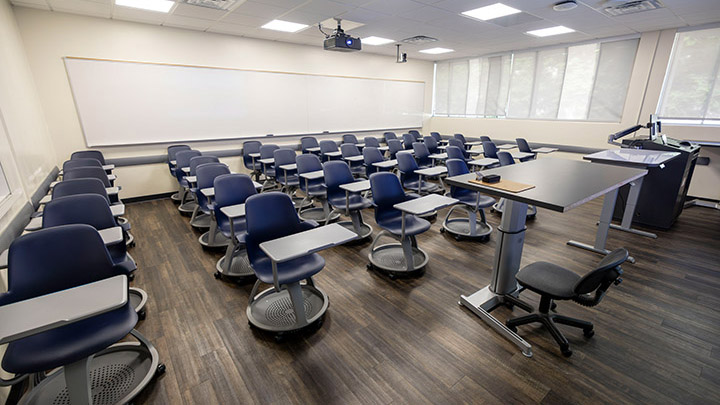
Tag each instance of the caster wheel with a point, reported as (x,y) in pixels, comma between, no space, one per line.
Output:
(530,218)
(589,333)
(217,275)
(369,266)
(553,307)
(567,353)
(392,276)
(457,238)
(131,277)
(142,315)
(442,230)
(485,238)
(160,370)
(279,338)
(509,305)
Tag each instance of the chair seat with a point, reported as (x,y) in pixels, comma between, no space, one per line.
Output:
(413,225)
(357,202)
(471,199)
(121,261)
(239,224)
(269,172)
(315,190)
(290,271)
(184,183)
(548,279)
(292,180)
(70,343)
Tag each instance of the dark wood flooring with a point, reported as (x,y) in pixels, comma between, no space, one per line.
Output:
(657,335)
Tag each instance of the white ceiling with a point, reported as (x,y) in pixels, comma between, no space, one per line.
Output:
(399,19)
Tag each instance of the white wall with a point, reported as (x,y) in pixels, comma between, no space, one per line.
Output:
(50,36)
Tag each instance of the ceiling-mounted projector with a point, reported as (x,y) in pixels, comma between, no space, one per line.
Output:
(340,41)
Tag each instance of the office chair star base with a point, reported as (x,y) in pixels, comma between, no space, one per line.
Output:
(500,206)
(273,311)
(138,299)
(391,260)
(239,270)
(117,375)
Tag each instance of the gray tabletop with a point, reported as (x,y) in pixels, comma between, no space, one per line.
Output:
(383,148)
(334,153)
(386,163)
(111,236)
(506,146)
(313,149)
(545,149)
(560,184)
(423,205)
(254,155)
(210,191)
(267,161)
(438,156)
(108,167)
(483,162)
(234,211)
(304,243)
(111,177)
(355,158)
(173,162)
(356,186)
(432,171)
(520,155)
(39,314)
(318,174)
(632,157)
(34,224)
(185,169)
(473,143)
(291,166)
(191,179)
(117,209)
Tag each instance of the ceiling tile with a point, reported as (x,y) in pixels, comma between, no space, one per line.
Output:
(325,7)
(207,13)
(82,7)
(256,9)
(132,14)
(393,7)
(304,18)
(363,15)
(232,29)
(244,19)
(187,22)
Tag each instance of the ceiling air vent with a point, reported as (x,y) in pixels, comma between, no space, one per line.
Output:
(615,8)
(216,4)
(419,39)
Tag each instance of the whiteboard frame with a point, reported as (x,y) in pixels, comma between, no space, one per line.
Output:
(89,145)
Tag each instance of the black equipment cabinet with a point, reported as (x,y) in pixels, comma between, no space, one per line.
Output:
(663,192)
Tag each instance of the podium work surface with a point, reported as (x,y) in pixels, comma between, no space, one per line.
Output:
(560,185)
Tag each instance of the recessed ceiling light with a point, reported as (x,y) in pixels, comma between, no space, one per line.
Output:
(435,51)
(162,6)
(546,32)
(284,26)
(496,10)
(376,41)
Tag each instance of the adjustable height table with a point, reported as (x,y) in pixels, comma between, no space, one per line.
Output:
(560,185)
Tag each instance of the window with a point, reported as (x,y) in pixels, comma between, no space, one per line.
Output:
(691,92)
(579,82)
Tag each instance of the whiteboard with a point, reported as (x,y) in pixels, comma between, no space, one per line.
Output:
(125,103)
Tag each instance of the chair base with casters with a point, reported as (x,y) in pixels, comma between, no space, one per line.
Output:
(397,259)
(500,205)
(274,311)
(470,227)
(116,375)
(200,219)
(237,269)
(187,207)
(138,299)
(213,238)
(175,197)
(309,212)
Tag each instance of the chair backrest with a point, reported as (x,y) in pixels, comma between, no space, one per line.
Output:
(88,154)
(328,146)
(307,163)
(267,151)
(436,136)
(183,157)
(206,174)
(461,138)
(55,259)
(284,156)
(80,186)
(90,209)
(394,146)
(269,216)
(415,134)
(174,149)
(87,172)
(336,173)
(430,144)
(231,189)
(371,155)
(456,167)
(248,148)
(601,278)
(523,145)
(371,141)
(453,152)
(489,149)
(201,160)
(407,141)
(421,154)
(458,143)
(386,192)
(349,149)
(349,138)
(81,162)
(308,142)
(485,138)
(407,166)
(389,135)
(505,158)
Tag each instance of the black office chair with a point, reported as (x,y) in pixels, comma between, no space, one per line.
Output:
(553,282)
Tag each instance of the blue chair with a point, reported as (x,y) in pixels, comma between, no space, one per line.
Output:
(206,174)
(403,258)
(268,169)
(458,143)
(371,141)
(422,155)
(485,138)
(454,152)
(172,151)
(415,134)
(431,144)
(411,180)
(489,149)
(81,162)
(329,151)
(89,154)
(187,205)
(288,178)
(372,155)
(250,163)
(349,138)
(314,190)
(93,210)
(461,138)
(472,202)
(232,189)
(407,141)
(352,156)
(523,146)
(505,159)
(437,137)
(59,258)
(309,142)
(388,136)
(199,218)
(350,204)
(309,304)
(394,146)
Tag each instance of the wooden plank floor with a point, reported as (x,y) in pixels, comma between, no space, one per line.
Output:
(657,334)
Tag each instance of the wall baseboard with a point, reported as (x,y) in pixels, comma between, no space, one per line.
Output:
(148,197)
